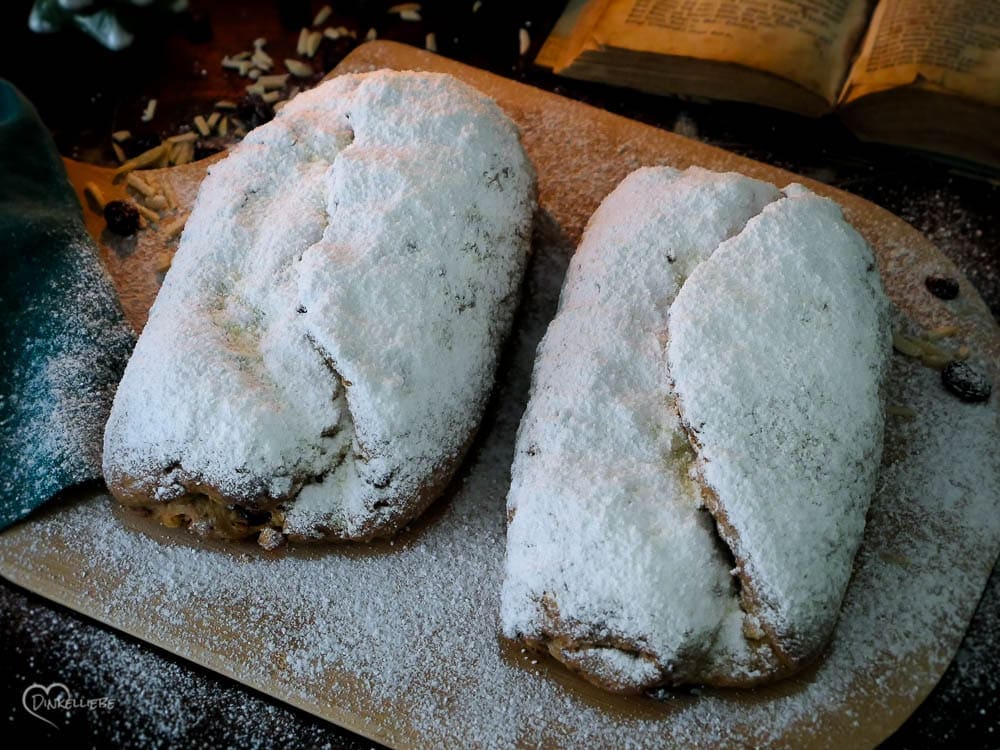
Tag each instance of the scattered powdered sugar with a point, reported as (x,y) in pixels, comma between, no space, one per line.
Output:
(941,216)
(401,641)
(328,332)
(149,700)
(966,703)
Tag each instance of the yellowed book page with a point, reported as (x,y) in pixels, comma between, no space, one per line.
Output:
(555,43)
(809,42)
(588,16)
(946,45)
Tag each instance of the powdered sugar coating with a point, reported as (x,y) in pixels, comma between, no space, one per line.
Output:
(612,561)
(790,423)
(310,343)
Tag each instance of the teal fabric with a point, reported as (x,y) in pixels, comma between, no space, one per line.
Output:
(63,339)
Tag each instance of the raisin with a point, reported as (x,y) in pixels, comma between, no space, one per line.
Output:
(205,147)
(249,516)
(332,52)
(122,217)
(942,287)
(966,382)
(254,111)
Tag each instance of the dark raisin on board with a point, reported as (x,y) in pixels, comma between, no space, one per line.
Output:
(966,382)
(205,147)
(942,287)
(254,111)
(122,218)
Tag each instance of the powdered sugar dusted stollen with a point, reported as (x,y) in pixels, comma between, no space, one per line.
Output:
(321,351)
(694,466)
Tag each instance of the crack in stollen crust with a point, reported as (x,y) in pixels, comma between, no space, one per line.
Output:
(761,640)
(726,539)
(761,644)
(788,588)
(765,641)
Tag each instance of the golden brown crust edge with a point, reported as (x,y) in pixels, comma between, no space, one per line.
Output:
(208,512)
(772,660)
(558,643)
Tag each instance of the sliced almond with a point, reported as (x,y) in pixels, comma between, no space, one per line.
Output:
(324,13)
(942,332)
(312,43)
(147,212)
(145,159)
(202,125)
(137,183)
(906,345)
(262,60)
(298,68)
(157,202)
(276,81)
(169,194)
(182,137)
(176,226)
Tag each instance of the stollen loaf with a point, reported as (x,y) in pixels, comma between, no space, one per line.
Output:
(700,447)
(321,351)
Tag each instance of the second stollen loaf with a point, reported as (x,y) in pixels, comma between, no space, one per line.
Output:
(700,448)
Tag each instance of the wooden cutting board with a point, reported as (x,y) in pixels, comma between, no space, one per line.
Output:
(398,641)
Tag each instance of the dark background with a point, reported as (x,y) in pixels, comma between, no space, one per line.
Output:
(84,93)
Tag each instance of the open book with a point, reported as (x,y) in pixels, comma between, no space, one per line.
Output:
(920,73)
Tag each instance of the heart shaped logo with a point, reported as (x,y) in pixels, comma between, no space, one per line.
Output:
(37,697)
